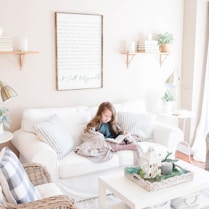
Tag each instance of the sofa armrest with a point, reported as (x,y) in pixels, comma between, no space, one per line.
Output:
(168,135)
(33,150)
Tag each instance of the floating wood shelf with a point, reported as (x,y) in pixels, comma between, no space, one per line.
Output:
(21,55)
(130,56)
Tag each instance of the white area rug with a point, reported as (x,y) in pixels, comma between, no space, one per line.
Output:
(113,203)
(88,204)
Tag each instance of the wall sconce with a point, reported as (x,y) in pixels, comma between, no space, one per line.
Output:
(7,92)
(173,79)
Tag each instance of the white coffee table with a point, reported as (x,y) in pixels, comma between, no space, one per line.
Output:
(137,198)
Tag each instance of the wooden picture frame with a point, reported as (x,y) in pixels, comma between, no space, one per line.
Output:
(79,51)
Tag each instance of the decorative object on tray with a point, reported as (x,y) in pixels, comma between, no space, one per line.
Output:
(150,163)
(165,178)
(167,165)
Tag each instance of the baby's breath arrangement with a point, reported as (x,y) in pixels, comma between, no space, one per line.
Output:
(4,117)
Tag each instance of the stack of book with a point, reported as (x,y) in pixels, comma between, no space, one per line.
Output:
(6,43)
(148,46)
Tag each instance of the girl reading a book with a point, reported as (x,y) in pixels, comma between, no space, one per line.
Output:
(100,131)
(105,122)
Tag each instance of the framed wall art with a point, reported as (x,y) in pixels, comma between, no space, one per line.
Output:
(79,51)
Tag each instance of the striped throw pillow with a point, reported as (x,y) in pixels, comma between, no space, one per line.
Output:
(138,124)
(54,132)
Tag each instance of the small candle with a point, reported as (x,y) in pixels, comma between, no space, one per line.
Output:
(149,36)
(132,46)
(166,168)
(23,44)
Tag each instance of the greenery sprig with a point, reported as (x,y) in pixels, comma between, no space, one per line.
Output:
(167,159)
(166,38)
(4,117)
(169,95)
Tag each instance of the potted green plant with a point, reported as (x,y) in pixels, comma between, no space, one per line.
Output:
(169,95)
(168,99)
(4,118)
(164,40)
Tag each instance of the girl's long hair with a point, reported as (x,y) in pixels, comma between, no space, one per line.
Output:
(96,120)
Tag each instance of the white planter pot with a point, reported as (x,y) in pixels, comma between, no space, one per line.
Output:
(167,107)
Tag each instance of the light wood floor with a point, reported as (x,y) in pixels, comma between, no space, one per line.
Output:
(185,157)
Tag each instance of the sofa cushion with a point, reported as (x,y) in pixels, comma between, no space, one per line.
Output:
(135,106)
(75,165)
(141,125)
(160,149)
(74,118)
(126,157)
(54,132)
(14,180)
(48,190)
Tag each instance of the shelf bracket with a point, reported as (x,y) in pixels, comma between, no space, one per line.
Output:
(21,61)
(163,58)
(129,58)
(21,55)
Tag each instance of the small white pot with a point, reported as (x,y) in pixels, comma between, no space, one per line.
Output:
(168,107)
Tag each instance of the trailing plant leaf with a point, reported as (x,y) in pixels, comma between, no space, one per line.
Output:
(167,159)
(4,117)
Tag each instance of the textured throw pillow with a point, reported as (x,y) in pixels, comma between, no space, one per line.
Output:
(15,183)
(54,132)
(141,125)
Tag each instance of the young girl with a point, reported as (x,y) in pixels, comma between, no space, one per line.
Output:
(105,123)
(102,126)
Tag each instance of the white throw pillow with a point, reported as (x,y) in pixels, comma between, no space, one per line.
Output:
(138,124)
(15,183)
(54,132)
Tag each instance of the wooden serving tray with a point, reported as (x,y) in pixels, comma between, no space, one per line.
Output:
(157,185)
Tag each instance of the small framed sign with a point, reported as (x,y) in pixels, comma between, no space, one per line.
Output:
(79,51)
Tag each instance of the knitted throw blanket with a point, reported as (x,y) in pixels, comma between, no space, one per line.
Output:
(94,147)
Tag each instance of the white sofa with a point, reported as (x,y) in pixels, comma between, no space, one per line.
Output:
(76,175)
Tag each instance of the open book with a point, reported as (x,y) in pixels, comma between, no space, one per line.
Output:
(118,139)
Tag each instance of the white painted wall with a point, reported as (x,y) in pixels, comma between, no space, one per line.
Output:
(123,20)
